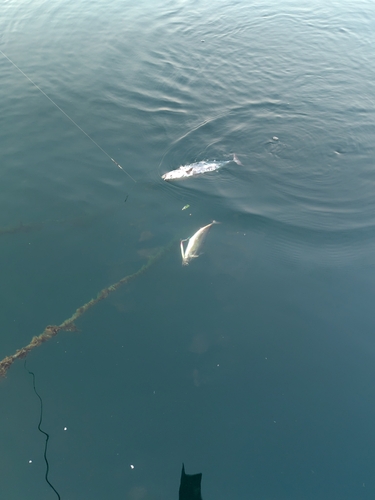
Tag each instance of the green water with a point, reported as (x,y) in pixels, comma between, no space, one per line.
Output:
(254,364)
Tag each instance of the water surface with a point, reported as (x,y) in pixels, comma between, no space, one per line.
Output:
(253,365)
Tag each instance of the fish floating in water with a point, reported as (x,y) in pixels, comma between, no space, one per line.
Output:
(194,244)
(201,167)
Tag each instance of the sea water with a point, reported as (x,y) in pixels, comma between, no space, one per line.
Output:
(254,364)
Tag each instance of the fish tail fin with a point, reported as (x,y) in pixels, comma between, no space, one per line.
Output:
(215,222)
(236,160)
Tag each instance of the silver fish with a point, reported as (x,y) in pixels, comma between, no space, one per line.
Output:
(201,167)
(194,243)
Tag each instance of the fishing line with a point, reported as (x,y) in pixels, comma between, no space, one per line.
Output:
(67,116)
(42,431)
(193,129)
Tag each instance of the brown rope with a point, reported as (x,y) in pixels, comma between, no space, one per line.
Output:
(69,324)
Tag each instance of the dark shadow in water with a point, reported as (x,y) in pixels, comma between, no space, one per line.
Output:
(21,228)
(78,221)
(190,486)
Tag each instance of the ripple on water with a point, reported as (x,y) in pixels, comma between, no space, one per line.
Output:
(298,181)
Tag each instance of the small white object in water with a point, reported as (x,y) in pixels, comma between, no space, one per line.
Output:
(194,244)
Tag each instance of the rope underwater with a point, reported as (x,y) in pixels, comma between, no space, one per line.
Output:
(69,324)
(67,116)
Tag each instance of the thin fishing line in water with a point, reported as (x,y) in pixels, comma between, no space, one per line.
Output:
(69,118)
(42,431)
(186,134)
